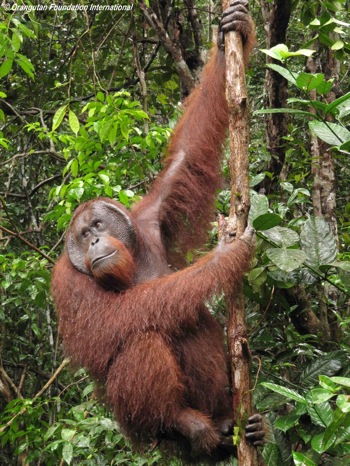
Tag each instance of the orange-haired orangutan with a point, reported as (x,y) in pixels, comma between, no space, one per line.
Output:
(141,329)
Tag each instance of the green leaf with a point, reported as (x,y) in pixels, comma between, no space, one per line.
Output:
(318,242)
(284,391)
(6,67)
(88,389)
(282,236)
(67,453)
(319,395)
(283,72)
(341,381)
(332,133)
(343,271)
(73,122)
(294,111)
(76,193)
(303,81)
(338,45)
(286,259)
(343,265)
(319,444)
(267,221)
(100,96)
(259,205)
(302,460)
(300,52)
(26,31)
(321,414)
(343,403)
(277,52)
(124,128)
(16,40)
(67,434)
(285,423)
(255,180)
(107,423)
(257,276)
(322,107)
(287,186)
(112,135)
(338,102)
(327,364)
(74,167)
(326,382)
(271,454)
(105,129)
(295,197)
(51,430)
(58,117)
(25,64)
(281,52)
(308,81)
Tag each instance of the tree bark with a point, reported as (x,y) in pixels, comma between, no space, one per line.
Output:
(180,64)
(324,187)
(239,352)
(276,16)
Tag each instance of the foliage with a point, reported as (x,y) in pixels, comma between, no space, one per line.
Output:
(76,123)
(93,169)
(319,416)
(81,435)
(334,134)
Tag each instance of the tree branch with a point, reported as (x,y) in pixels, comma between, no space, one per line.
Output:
(240,357)
(180,64)
(20,237)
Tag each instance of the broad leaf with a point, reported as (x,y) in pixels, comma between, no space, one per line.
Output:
(318,243)
(308,82)
(343,403)
(257,277)
(255,180)
(343,271)
(285,423)
(286,259)
(319,395)
(67,453)
(259,205)
(67,434)
(6,67)
(284,391)
(25,64)
(283,72)
(294,111)
(58,117)
(270,454)
(73,122)
(345,381)
(281,52)
(282,236)
(277,52)
(320,444)
(302,460)
(321,414)
(266,221)
(328,364)
(332,133)
(338,45)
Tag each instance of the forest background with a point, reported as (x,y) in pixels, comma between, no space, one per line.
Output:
(87,102)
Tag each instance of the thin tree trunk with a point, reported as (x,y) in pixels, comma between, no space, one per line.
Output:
(239,352)
(276,16)
(324,184)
